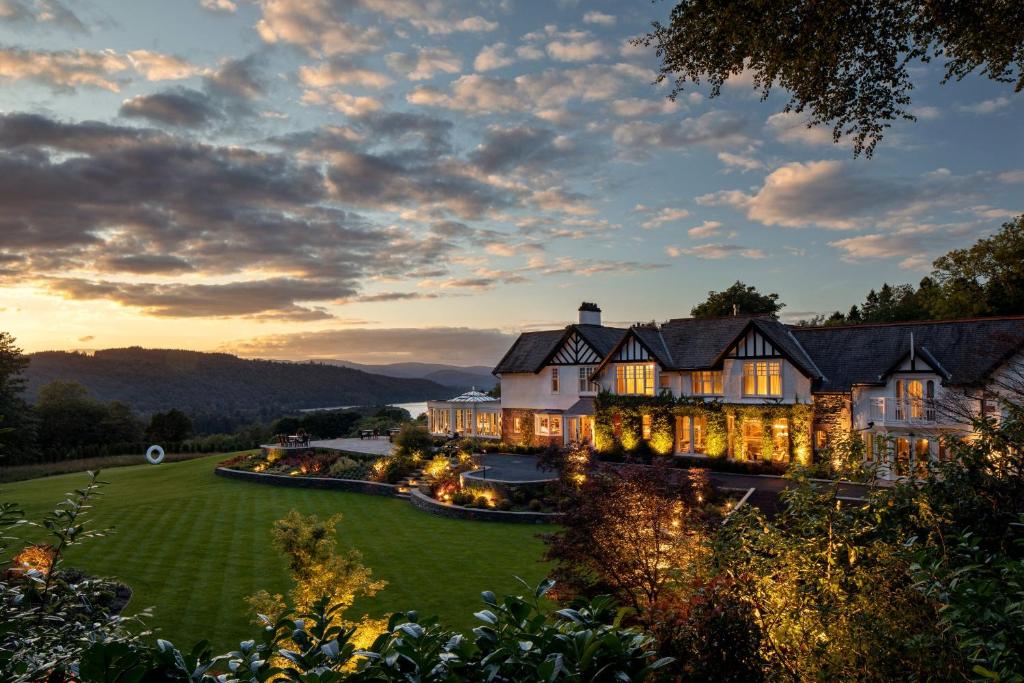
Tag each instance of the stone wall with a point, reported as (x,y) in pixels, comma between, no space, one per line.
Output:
(352,485)
(424,502)
(833,415)
(525,436)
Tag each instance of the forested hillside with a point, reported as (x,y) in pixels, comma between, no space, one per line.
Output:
(216,383)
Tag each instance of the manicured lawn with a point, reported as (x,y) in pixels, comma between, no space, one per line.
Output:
(193,546)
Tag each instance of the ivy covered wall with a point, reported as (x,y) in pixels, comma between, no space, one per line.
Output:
(619,420)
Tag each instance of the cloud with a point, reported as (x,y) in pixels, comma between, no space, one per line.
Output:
(716,252)
(425,63)
(743,163)
(218,5)
(666,215)
(350,105)
(342,71)
(41,13)
(460,345)
(225,95)
(915,246)
(127,204)
(319,27)
(926,112)
(492,57)
(595,17)
(63,69)
(986,106)
(575,50)
(841,196)
(704,230)
(636,108)
(474,24)
(184,107)
(789,126)
(506,148)
(155,66)
(545,90)
(1016,176)
(716,128)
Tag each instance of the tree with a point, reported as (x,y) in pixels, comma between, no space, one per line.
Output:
(15,415)
(173,426)
(984,279)
(121,424)
(849,64)
(739,298)
(320,575)
(70,417)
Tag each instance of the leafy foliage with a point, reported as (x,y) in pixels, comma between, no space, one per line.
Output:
(848,64)
(738,298)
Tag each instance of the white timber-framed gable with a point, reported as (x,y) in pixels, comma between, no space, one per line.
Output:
(753,345)
(575,351)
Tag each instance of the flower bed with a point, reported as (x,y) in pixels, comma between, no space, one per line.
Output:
(312,462)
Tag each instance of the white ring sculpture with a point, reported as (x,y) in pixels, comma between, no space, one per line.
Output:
(155,455)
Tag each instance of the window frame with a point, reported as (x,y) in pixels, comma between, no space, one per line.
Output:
(555,381)
(636,376)
(758,384)
(700,380)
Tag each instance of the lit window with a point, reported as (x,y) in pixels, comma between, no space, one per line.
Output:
(517,425)
(554,380)
(635,378)
(762,378)
(587,382)
(646,420)
(665,381)
(700,430)
(869,447)
(752,434)
(820,439)
(780,436)
(549,425)
(707,382)
(921,450)
(683,434)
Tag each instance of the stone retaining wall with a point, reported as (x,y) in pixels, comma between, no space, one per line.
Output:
(351,485)
(424,502)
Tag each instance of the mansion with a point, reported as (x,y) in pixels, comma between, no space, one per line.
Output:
(744,387)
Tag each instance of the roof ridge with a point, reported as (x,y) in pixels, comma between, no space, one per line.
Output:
(900,323)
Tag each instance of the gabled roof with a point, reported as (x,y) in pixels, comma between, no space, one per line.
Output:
(784,341)
(967,351)
(532,350)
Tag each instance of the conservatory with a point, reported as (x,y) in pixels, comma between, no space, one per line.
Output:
(470,414)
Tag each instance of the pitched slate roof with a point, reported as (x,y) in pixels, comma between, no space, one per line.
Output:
(836,358)
(968,351)
(532,350)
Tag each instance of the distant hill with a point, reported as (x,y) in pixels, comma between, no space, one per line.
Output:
(152,380)
(455,376)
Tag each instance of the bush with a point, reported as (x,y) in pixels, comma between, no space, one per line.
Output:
(413,439)
(535,505)
(347,468)
(464,498)
(437,467)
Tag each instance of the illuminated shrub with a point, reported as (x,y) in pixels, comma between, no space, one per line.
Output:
(662,432)
(34,557)
(438,466)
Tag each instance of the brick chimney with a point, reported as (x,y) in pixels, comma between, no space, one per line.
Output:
(590,314)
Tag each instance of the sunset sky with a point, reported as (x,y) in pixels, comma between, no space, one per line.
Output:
(387,180)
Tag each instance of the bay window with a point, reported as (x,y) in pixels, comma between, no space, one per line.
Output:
(762,378)
(635,378)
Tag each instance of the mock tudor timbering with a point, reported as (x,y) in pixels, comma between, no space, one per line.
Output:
(747,387)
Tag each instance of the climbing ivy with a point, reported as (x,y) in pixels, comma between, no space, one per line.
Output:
(618,425)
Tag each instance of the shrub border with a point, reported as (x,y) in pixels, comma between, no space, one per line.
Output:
(423,502)
(350,485)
